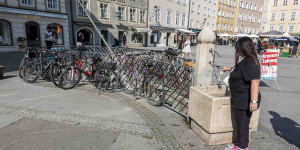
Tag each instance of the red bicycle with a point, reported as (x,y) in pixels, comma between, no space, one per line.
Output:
(101,74)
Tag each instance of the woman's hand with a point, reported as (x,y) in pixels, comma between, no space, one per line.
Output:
(253,107)
(226,69)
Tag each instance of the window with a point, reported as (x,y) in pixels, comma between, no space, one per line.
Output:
(27,2)
(122,13)
(293,15)
(214,13)
(183,19)
(208,12)
(137,38)
(280,28)
(240,16)
(178,1)
(132,12)
(198,24)
(273,16)
(1,1)
(259,20)
(142,16)
(85,36)
(198,9)
(5,33)
(177,18)
(255,7)
(204,10)
(271,28)
(191,24)
(157,15)
(57,34)
(184,2)
(275,3)
(52,4)
(285,2)
(104,8)
(169,17)
(282,16)
(291,28)
(295,2)
(193,7)
(81,12)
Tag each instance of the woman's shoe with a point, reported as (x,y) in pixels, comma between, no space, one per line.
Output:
(231,146)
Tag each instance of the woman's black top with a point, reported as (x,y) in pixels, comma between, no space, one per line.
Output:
(240,83)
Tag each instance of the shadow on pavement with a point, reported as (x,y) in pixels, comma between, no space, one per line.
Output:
(286,128)
(11,60)
(8,76)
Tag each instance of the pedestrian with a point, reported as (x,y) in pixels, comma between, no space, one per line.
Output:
(124,40)
(179,43)
(48,38)
(297,54)
(244,86)
(187,47)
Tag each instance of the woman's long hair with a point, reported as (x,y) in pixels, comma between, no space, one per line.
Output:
(245,47)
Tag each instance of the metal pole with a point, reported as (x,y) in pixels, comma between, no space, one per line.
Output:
(109,48)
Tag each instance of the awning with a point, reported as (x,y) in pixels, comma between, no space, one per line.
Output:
(32,12)
(224,34)
(241,35)
(142,30)
(187,31)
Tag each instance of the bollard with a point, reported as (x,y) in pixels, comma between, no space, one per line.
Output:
(1,71)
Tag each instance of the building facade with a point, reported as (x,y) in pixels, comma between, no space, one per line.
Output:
(227,14)
(117,21)
(29,19)
(203,13)
(265,16)
(249,18)
(284,16)
(166,19)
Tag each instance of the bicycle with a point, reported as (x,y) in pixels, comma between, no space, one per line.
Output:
(39,67)
(106,78)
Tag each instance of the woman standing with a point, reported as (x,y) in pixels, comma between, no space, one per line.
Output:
(187,47)
(244,86)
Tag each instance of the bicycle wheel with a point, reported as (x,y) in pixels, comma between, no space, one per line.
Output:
(55,72)
(30,72)
(22,64)
(153,90)
(69,78)
(106,80)
(128,81)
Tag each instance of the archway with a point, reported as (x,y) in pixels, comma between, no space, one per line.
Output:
(85,36)
(5,33)
(57,33)
(32,30)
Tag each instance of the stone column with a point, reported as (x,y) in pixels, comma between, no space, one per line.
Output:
(203,71)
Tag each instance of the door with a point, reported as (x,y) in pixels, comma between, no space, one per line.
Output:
(168,38)
(32,30)
(105,36)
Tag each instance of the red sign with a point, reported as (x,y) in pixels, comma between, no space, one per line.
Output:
(269,59)
(269,66)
